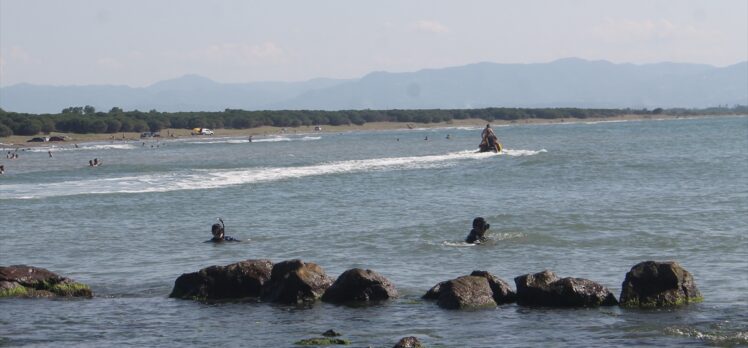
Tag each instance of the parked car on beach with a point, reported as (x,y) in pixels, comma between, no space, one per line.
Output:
(38,140)
(59,138)
(201,131)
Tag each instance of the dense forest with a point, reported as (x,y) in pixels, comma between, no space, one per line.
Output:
(87,120)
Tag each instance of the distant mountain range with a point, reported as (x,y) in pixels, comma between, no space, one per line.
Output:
(569,82)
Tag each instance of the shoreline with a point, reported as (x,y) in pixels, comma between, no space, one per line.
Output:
(18,141)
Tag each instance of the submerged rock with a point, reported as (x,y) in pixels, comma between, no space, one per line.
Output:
(546,289)
(358,285)
(237,280)
(331,333)
(295,282)
(29,281)
(653,284)
(408,342)
(322,341)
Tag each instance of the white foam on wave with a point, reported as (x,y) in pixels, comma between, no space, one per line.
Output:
(728,339)
(458,244)
(218,141)
(277,139)
(517,153)
(245,140)
(197,179)
(84,147)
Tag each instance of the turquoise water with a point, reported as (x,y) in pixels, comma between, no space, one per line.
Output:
(585,200)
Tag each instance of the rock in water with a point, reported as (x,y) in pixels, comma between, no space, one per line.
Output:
(479,289)
(466,292)
(502,293)
(545,289)
(358,285)
(578,292)
(652,284)
(533,288)
(408,342)
(237,280)
(29,281)
(296,282)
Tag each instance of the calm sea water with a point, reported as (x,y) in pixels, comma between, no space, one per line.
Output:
(585,200)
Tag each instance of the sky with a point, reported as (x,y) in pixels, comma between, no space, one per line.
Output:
(140,42)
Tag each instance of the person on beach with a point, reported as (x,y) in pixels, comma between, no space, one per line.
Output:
(218,231)
(478,233)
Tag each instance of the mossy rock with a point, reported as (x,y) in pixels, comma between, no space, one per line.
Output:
(322,341)
(34,282)
(14,291)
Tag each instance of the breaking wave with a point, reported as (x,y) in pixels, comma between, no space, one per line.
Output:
(197,179)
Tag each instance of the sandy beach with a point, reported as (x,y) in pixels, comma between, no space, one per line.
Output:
(167,134)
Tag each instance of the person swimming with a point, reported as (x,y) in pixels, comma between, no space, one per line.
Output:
(218,231)
(478,234)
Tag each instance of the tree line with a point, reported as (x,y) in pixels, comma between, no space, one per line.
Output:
(86,119)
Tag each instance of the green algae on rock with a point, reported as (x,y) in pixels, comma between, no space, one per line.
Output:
(34,282)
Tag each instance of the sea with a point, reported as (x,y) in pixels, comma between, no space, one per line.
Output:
(582,199)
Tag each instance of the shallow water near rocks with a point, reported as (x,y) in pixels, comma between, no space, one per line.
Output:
(585,200)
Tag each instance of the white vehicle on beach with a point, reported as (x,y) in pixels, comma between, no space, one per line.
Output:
(201,131)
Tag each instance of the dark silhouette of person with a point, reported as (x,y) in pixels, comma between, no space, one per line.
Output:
(478,233)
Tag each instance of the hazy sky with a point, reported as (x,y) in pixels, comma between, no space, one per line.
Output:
(139,42)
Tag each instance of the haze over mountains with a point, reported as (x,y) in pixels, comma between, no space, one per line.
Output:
(567,82)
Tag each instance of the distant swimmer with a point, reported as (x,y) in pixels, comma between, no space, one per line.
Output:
(478,233)
(449,137)
(2,169)
(50,153)
(95,162)
(218,231)
(426,138)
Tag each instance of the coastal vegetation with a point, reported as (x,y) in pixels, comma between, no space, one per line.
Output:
(87,119)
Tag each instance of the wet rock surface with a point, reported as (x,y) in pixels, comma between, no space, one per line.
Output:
(359,285)
(296,282)
(547,290)
(653,284)
(235,281)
